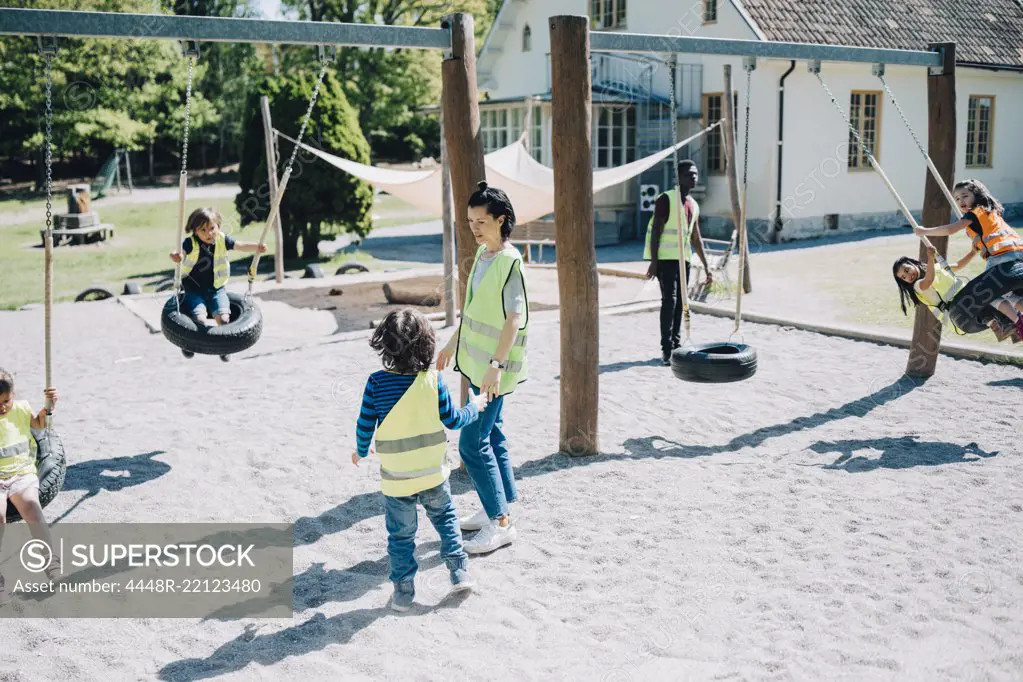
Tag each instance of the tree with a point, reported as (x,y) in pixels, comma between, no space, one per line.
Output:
(319,198)
(390,86)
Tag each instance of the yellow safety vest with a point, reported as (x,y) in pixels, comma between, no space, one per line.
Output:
(667,248)
(411,441)
(941,292)
(483,319)
(221,264)
(17,447)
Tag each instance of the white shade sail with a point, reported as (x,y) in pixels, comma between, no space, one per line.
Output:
(528,183)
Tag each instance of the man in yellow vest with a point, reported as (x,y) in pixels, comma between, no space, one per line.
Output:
(662,251)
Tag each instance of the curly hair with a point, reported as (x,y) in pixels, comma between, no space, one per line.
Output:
(202,216)
(6,381)
(405,341)
(498,204)
(981,194)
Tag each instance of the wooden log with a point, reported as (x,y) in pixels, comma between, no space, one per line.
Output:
(732,171)
(941,147)
(460,109)
(576,253)
(448,232)
(399,296)
(271,176)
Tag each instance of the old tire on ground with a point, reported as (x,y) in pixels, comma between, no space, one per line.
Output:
(94,294)
(241,333)
(971,309)
(714,363)
(51,466)
(351,267)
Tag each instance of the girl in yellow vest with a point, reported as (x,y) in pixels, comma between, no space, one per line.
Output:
(19,483)
(206,267)
(929,284)
(992,238)
(489,349)
(408,406)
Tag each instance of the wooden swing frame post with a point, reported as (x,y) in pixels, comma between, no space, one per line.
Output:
(732,167)
(463,143)
(571,94)
(271,178)
(941,147)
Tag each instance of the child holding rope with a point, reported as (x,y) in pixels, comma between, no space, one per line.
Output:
(992,238)
(408,406)
(19,483)
(206,268)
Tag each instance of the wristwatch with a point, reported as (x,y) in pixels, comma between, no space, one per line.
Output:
(496,364)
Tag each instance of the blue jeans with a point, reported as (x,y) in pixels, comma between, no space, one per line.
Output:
(995,261)
(484,450)
(402,520)
(213,303)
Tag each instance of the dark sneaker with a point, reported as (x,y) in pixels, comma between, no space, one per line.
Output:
(666,358)
(1019,325)
(404,596)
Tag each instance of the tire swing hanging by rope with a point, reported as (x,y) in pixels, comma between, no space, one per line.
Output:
(246,325)
(51,462)
(722,362)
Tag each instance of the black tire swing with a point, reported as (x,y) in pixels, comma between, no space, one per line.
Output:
(51,462)
(246,324)
(722,362)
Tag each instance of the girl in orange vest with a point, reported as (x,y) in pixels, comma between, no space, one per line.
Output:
(993,239)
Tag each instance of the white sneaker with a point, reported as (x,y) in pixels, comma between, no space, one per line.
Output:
(474,522)
(490,538)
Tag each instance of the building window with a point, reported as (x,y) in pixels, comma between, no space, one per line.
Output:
(614,136)
(714,150)
(607,14)
(979,126)
(500,127)
(536,134)
(710,11)
(527,39)
(865,116)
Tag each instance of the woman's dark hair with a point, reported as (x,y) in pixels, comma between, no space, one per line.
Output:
(6,381)
(200,217)
(497,204)
(982,195)
(906,290)
(405,342)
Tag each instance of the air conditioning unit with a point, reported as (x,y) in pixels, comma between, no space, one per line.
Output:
(648,196)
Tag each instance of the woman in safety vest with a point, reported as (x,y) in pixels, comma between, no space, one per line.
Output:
(19,482)
(489,349)
(408,406)
(929,285)
(993,239)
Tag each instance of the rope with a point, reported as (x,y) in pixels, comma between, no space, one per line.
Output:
(742,215)
(673,106)
(930,164)
(880,171)
(48,55)
(275,206)
(182,185)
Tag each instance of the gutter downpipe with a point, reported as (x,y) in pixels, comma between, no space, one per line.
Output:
(776,235)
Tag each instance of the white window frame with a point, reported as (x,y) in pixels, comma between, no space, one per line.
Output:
(975,158)
(615,10)
(710,11)
(501,125)
(614,140)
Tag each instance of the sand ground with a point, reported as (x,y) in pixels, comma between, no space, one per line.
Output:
(825,520)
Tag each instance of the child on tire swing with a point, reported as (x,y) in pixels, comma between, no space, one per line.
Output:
(408,406)
(19,482)
(993,239)
(206,267)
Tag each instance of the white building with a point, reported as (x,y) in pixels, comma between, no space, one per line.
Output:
(804,177)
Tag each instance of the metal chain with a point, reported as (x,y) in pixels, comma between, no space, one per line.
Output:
(324,63)
(48,57)
(188,117)
(745,156)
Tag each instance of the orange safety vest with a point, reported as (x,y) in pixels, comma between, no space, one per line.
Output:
(996,237)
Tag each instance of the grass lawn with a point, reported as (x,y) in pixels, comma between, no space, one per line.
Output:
(139,251)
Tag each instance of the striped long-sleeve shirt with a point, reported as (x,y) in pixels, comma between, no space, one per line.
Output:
(383,391)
